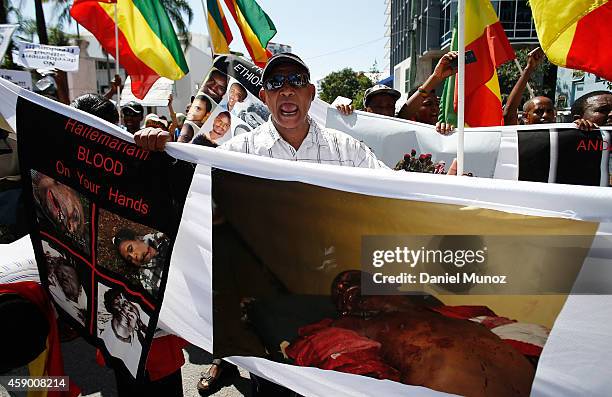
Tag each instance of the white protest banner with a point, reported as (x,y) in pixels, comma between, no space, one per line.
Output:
(22,78)
(537,153)
(39,56)
(6,31)
(157,95)
(310,218)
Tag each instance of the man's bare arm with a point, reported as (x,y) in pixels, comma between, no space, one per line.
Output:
(534,58)
(443,70)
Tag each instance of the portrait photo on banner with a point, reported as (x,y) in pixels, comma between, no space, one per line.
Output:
(66,276)
(121,324)
(218,127)
(199,112)
(247,109)
(134,252)
(62,211)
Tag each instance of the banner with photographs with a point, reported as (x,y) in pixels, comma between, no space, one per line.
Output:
(558,153)
(104,218)
(227,103)
(301,273)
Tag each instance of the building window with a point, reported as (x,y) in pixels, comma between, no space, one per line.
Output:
(507,12)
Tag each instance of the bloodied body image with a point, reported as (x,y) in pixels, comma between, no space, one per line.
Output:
(64,211)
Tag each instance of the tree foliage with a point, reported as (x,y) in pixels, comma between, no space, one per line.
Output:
(509,74)
(346,83)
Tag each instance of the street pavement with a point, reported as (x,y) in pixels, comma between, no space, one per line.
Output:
(96,381)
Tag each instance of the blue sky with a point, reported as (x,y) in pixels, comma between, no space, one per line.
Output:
(327,34)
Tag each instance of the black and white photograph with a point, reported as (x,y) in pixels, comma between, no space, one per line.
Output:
(122,325)
(244,106)
(65,284)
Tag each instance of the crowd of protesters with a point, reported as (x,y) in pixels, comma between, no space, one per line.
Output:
(288,93)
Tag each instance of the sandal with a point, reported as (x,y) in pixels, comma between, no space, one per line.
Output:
(209,384)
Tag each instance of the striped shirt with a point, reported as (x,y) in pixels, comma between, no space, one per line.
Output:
(321,145)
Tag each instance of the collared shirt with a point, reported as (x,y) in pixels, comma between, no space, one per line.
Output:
(321,145)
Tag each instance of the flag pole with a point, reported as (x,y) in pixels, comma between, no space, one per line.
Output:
(212,50)
(117,65)
(461,87)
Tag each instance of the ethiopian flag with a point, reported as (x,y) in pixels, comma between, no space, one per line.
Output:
(220,33)
(148,46)
(576,34)
(256,27)
(485,36)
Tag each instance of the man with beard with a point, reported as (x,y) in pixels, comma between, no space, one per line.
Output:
(66,288)
(594,110)
(125,332)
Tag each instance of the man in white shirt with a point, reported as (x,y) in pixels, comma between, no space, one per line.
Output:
(289,133)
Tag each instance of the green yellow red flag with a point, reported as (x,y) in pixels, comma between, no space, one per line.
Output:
(148,46)
(485,36)
(220,33)
(256,27)
(575,34)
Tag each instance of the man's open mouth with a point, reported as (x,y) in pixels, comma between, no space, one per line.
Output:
(288,109)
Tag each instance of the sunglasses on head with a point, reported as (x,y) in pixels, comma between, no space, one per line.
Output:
(295,80)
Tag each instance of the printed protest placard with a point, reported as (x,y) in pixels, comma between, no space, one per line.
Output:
(39,56)
(22,78)
(104,218)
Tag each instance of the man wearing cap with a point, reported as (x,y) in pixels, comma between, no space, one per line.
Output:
(422,104)
(133,114)
(379,99)
(289,133)
(153,120)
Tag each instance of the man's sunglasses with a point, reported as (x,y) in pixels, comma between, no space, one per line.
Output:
(295,80)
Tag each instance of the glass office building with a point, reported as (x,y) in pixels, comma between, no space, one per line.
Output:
(429,25)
